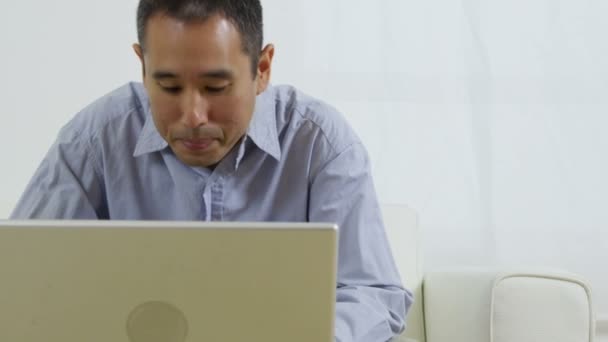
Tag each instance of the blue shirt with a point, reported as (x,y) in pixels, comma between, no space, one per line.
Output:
(299,161)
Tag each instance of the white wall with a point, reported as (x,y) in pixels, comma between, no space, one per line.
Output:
(488,118)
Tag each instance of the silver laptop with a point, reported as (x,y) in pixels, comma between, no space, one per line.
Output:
(128,281)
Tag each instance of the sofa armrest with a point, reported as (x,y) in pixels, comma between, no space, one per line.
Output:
(481,305)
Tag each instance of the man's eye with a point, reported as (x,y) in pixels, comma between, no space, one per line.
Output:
(171,90)
(215,90)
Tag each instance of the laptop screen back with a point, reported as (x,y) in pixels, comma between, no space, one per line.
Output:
(166,281)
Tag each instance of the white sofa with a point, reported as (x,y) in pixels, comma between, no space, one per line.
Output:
(486,305)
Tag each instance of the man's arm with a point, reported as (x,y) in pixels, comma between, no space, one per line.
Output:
(371,301)
(65,185)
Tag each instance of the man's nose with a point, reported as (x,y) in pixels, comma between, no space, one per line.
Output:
(194,109)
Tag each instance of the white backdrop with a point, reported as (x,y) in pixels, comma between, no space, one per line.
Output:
(487,117)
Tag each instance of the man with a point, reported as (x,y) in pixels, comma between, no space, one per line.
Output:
(207,138)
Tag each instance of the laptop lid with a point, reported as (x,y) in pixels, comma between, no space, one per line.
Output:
(128,281)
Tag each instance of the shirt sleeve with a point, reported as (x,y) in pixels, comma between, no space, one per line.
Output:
(65,185)
(371,302)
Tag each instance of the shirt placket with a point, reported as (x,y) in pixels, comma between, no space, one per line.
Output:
(217,200)
(213,200)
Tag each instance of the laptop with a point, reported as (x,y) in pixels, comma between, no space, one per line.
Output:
(162,281)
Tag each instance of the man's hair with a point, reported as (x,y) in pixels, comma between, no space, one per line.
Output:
(245,15)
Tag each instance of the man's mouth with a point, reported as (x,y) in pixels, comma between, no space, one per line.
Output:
(197,144)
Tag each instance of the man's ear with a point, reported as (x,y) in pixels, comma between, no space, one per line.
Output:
(264,68)
(139,51)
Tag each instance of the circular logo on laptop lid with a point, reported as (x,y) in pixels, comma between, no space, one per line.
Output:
(157,321)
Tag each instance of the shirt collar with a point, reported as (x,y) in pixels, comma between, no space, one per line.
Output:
(263,126)
(149,139)
(262,129)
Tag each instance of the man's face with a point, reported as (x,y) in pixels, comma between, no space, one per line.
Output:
(201,87)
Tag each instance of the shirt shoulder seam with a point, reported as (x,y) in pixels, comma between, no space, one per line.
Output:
(323,133)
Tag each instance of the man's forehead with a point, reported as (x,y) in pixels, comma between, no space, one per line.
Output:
(213,27)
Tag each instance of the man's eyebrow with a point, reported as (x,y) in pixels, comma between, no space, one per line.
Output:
(163,74)
(219,73)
